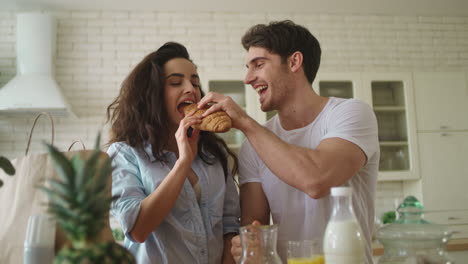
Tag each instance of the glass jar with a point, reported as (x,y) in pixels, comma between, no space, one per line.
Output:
(411,239)
(259,244)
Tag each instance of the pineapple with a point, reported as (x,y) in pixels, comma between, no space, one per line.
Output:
(80,205)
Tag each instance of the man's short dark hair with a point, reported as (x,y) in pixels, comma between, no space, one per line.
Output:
(284,38)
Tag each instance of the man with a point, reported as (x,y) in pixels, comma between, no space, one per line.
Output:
(288,166)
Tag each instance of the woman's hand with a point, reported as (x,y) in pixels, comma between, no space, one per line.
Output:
(188,146)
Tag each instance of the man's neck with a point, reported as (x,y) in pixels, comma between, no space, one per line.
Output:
(301,109)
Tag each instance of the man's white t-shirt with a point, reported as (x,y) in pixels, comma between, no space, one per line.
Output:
(298,216)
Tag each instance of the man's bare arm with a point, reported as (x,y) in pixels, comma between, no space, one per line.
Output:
(313,171)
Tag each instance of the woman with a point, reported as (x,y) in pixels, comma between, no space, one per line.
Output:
(177,199)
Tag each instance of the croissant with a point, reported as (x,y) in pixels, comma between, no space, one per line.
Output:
(218,122)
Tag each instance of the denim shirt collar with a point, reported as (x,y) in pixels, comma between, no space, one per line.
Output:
(149,151)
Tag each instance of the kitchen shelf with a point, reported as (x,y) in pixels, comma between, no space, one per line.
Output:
(393,143)
(341,89)
(389,108)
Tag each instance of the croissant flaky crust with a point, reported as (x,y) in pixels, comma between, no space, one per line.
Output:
(218,122)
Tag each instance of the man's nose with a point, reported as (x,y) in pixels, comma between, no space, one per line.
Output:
(249,77)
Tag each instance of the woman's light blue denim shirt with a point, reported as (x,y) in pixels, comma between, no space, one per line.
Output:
(192,232)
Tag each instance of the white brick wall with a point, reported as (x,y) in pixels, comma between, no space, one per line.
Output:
(96,49)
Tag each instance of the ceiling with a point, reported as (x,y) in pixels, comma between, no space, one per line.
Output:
(390,7)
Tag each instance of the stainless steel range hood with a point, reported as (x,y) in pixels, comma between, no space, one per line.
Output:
(34,88)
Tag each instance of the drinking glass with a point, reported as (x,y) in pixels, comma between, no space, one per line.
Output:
(305,252)
(40,239)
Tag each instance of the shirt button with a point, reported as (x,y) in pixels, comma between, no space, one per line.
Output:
(203,252)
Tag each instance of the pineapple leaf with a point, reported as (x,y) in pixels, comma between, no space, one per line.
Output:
(77,164)
(59,187)
(61,212)
(98,141)
(91,202)
(88,170)
(6,165)
(105,171)
(63,166)
(56,198)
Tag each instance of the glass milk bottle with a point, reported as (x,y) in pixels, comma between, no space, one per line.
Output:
(343,241)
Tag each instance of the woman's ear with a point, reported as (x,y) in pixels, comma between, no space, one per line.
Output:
(295,61)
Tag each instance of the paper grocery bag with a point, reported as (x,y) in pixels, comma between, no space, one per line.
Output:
(20,198)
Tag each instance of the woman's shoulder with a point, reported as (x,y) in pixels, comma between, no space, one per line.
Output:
(132,153)
(118,146)
(124,149)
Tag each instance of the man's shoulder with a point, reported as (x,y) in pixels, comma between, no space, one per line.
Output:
(341,106)
(347,102)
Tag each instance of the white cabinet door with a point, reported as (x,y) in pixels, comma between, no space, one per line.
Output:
(444,170)
(339,84)
(441,100)
(391,96)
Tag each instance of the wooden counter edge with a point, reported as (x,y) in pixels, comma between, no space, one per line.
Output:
(459,244)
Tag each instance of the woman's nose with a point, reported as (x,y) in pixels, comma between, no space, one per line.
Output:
(190,88)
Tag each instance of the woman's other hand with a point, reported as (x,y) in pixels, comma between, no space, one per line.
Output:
(187,146)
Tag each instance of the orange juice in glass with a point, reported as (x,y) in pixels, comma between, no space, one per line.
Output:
(305,252)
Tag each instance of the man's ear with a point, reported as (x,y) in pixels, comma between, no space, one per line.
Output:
(295,61)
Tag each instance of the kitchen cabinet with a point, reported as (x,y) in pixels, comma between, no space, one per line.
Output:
(442,125)
(456,221)
(444,170)
(441,100)
(391,97)
(444,177)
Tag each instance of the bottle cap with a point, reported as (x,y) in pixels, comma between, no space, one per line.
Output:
(341,191)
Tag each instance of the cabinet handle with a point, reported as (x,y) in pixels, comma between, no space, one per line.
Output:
(444,127)
(453,218)
(444,134)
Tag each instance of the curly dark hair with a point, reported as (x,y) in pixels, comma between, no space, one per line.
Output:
(138,114)
(284,38)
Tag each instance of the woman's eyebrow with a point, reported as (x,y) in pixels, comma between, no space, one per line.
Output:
(181,75)
(175,74)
